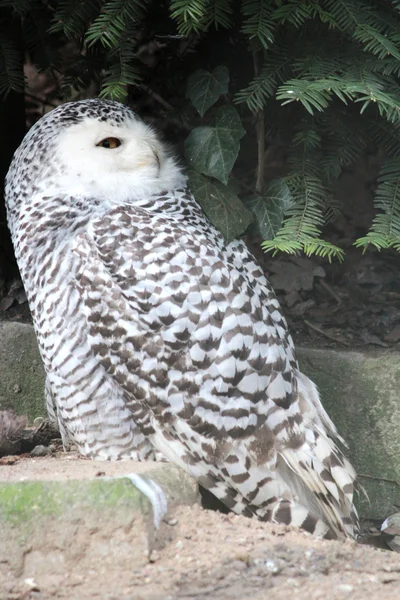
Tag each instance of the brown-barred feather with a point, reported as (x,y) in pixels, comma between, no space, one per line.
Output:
(156,334)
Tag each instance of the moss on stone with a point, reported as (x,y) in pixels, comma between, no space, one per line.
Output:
(30,500)
(361,392)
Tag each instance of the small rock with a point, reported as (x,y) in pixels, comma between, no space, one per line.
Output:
(292,298)
(345,588)
(238,565)
(16,388)
(302,307)
(171,522)
(6,303)
(393,336)
(272,567)
(154,556)
(319,272)
(391,525)
(32,585)
(40,451)
(370,338)
(394,544)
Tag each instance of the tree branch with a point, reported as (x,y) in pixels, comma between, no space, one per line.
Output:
(260,133)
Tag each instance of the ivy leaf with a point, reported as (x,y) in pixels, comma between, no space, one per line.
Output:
(269,208)
(213,150)
(204,88)
(221,205)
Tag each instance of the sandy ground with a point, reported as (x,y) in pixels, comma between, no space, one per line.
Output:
(210,555)
(204,554)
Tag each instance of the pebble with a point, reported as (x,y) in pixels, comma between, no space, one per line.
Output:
(154,556)
(40,451)
(345,588)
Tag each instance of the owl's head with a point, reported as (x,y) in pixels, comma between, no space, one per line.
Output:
(95,148)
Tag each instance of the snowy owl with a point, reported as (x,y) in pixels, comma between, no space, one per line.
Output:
(158,335)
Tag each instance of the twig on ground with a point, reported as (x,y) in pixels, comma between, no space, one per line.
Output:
(157,97)
(328,335)
(330,291)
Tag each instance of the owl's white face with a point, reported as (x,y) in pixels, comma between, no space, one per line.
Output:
(117,162)
(88,155)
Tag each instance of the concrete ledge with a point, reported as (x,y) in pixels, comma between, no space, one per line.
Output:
(361,392)
(48,528)
(21,371)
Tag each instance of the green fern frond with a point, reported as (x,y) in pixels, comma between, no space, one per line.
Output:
(35,33)
(277,245)
(11,64)
(219,14)
(258,23)
(318,94)
(385,229)
(72,17)
(20,7)
(79,72)
(344,140)
(275,70)
(384,135)
(116,18)
(346,15)
(385,66)
(324,249)
(304,218)
(190,15)
(294,13)
(376,43)
(123,70)
(315,59)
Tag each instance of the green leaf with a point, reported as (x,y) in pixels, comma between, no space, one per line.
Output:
(204,87)
(221,205)
(385,229)
(213,150)
(269,208)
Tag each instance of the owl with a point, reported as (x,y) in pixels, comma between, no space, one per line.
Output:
(156,334)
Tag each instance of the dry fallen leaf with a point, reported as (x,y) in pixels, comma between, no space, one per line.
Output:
(11,431)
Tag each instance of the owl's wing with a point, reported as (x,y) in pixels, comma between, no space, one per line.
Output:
(193,334)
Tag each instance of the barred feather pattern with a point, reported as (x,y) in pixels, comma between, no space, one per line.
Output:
(156,334)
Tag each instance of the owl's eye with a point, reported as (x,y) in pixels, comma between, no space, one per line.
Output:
(110,142)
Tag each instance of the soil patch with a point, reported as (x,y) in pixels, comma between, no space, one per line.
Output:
(205,554)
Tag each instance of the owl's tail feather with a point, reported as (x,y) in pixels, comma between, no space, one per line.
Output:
(322,478)
(282,511)
(315,488)
(290,513)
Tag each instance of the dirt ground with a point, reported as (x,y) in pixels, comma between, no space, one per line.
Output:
(210,555)
(205,554)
